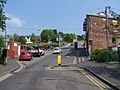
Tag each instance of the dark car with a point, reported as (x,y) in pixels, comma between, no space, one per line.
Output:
(25,56)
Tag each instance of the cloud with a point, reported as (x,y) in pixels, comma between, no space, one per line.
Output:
(14,21)
(35,26)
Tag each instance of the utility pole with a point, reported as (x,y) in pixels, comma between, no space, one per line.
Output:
(4,52)
(106,13)
(107,42)
(40,35)
(59,38)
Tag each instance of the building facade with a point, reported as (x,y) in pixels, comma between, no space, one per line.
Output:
(13,50)
(96,35)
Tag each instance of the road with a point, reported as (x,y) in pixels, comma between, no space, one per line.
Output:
(38,75)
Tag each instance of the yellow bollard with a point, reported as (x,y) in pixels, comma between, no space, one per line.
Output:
(59,59)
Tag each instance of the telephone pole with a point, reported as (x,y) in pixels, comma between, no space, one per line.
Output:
(106,13)
(59,38)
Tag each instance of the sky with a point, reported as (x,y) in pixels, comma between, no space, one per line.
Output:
(32,16)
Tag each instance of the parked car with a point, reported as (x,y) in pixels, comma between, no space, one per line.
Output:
(45,47)
(42,52)
(57,50)
(25,56)
(36,51)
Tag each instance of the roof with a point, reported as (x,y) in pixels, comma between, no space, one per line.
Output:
(99,16)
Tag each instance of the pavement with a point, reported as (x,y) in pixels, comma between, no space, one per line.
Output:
(11,66)
(107,72)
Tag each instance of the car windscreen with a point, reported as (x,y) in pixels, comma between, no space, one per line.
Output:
(56,49)
(24,53)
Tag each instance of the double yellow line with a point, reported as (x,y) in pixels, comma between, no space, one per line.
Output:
(99,84)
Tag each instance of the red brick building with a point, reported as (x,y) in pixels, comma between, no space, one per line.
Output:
(13,49)
(95,32)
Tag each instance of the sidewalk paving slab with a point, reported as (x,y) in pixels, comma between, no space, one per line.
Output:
(12,65)
(108,72)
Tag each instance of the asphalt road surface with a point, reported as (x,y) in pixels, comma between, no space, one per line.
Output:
(38,75)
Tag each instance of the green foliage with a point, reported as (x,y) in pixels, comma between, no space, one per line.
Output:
(69,37)
(96,55)
(2,44)
(53,35)
(80,38)
(34,38)
(20,39)
(62,34)
(2,15)
(48,34)
(55,31)
(103,55)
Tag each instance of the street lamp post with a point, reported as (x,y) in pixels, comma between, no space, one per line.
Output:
(4,51)
(5,38)
(5,46)
(59,38)
(40,34)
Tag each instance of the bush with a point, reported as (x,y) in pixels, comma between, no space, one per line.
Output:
(103,55)
(96,55)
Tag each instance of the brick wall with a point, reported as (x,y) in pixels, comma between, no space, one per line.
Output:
(97,33)
(13,50)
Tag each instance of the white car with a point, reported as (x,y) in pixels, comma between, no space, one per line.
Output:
(57,50)
(42,52)
(36,51)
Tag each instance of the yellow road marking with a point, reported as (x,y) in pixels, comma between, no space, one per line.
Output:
(96,81)
(19,69)
(10,74)
(102,86)
(5,77)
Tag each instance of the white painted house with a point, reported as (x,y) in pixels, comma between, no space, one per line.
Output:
(28,39)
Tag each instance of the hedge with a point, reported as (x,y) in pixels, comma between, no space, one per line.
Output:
(103,55)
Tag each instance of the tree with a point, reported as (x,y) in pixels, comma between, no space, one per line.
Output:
(15,37)
(55,31)
(1,41)
(48,35)
(69,37)
(20,39)
(56,35)
(2,15)
(114,27)
(80,37)
(62,34)
(33,38)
